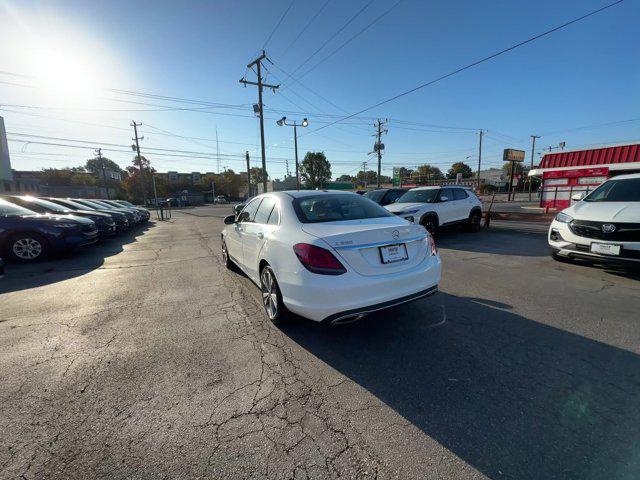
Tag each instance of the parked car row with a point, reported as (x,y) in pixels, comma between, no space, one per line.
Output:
(333,256)
(33,227)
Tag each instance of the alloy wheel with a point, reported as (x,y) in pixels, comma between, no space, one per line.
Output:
(27,248)
(269,293)
(475,222)
(429,225)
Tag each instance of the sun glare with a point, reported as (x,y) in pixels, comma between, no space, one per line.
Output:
(65,75)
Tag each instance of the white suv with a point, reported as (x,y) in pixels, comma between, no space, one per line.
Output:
(605,225)
(434,207)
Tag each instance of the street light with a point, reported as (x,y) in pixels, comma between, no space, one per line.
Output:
(305,122)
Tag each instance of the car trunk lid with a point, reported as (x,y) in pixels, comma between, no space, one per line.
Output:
(361,243)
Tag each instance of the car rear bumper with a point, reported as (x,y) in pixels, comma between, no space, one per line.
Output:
(335,298)
(349,315)
(565,243)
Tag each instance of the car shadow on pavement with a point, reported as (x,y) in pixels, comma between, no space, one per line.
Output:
(65,265)
(497,242)
(512,397)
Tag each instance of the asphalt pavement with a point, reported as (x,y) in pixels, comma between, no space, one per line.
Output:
(142,357)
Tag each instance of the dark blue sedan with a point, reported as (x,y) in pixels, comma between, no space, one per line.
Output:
(26,236)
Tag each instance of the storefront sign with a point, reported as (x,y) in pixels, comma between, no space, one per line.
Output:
(578,172)
(511,155)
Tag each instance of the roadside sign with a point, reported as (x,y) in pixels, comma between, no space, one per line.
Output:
(511,155)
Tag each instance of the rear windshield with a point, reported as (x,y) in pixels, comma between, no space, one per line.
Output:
(375,195)
(616,191)
(335,208)
(419,196)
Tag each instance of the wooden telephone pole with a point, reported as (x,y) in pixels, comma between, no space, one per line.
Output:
(258,64)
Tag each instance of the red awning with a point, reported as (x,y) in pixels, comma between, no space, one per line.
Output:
(597,156)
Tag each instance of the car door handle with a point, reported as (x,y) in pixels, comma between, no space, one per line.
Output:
(260,235)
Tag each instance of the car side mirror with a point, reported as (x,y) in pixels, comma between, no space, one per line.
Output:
(230,220)
(576,197)
(444,199)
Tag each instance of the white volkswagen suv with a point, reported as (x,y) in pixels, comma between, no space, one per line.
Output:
(605,225)
(434,207)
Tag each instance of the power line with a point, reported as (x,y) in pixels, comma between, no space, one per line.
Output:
(352,38)
(278,24)
(477,62)
(357,14)
(304,29)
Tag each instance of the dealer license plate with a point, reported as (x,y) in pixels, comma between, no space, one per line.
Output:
(605,248)
(393,253)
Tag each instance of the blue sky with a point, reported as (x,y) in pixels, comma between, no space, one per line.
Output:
(585,75)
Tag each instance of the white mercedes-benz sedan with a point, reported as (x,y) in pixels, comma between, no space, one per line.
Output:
(329,256)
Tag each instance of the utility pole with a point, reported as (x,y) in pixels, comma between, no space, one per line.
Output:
(137,149)
(379,146)
(104,174)
(246,155)
(364,174)
(258,64)
(155,190)
(479,160)
(217,152)
(533,147)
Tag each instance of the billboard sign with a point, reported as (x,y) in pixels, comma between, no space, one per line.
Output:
(511,155)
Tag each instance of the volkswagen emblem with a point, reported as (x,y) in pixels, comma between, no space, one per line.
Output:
(396,234)
(608,228)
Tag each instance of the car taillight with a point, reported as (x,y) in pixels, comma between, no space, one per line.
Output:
(318,260)
(432,245)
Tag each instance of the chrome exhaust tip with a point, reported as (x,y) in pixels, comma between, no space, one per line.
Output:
(348,319)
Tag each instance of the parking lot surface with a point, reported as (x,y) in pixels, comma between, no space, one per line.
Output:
(145,358)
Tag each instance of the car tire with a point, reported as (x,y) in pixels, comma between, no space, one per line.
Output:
(475,221)
(27,247)
(272,298)
(430,223)
(225,255)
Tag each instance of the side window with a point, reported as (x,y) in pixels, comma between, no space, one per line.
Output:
(446,192)
(274,218)
(249,212)
(262,215)
(459,194)
(393,195)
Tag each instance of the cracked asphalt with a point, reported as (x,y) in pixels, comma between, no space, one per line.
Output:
(142,357)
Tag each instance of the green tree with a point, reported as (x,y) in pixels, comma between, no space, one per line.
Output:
(257,175)
(315,169)
(459,167)
(134,184)
(345,178)
(230,183)
(427,173)
(67,176)
(94,166)
(506,167)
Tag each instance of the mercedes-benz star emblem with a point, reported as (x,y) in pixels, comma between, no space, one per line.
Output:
(608,228)
(396,234)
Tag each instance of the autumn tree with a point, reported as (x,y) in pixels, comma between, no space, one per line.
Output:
(459,167)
